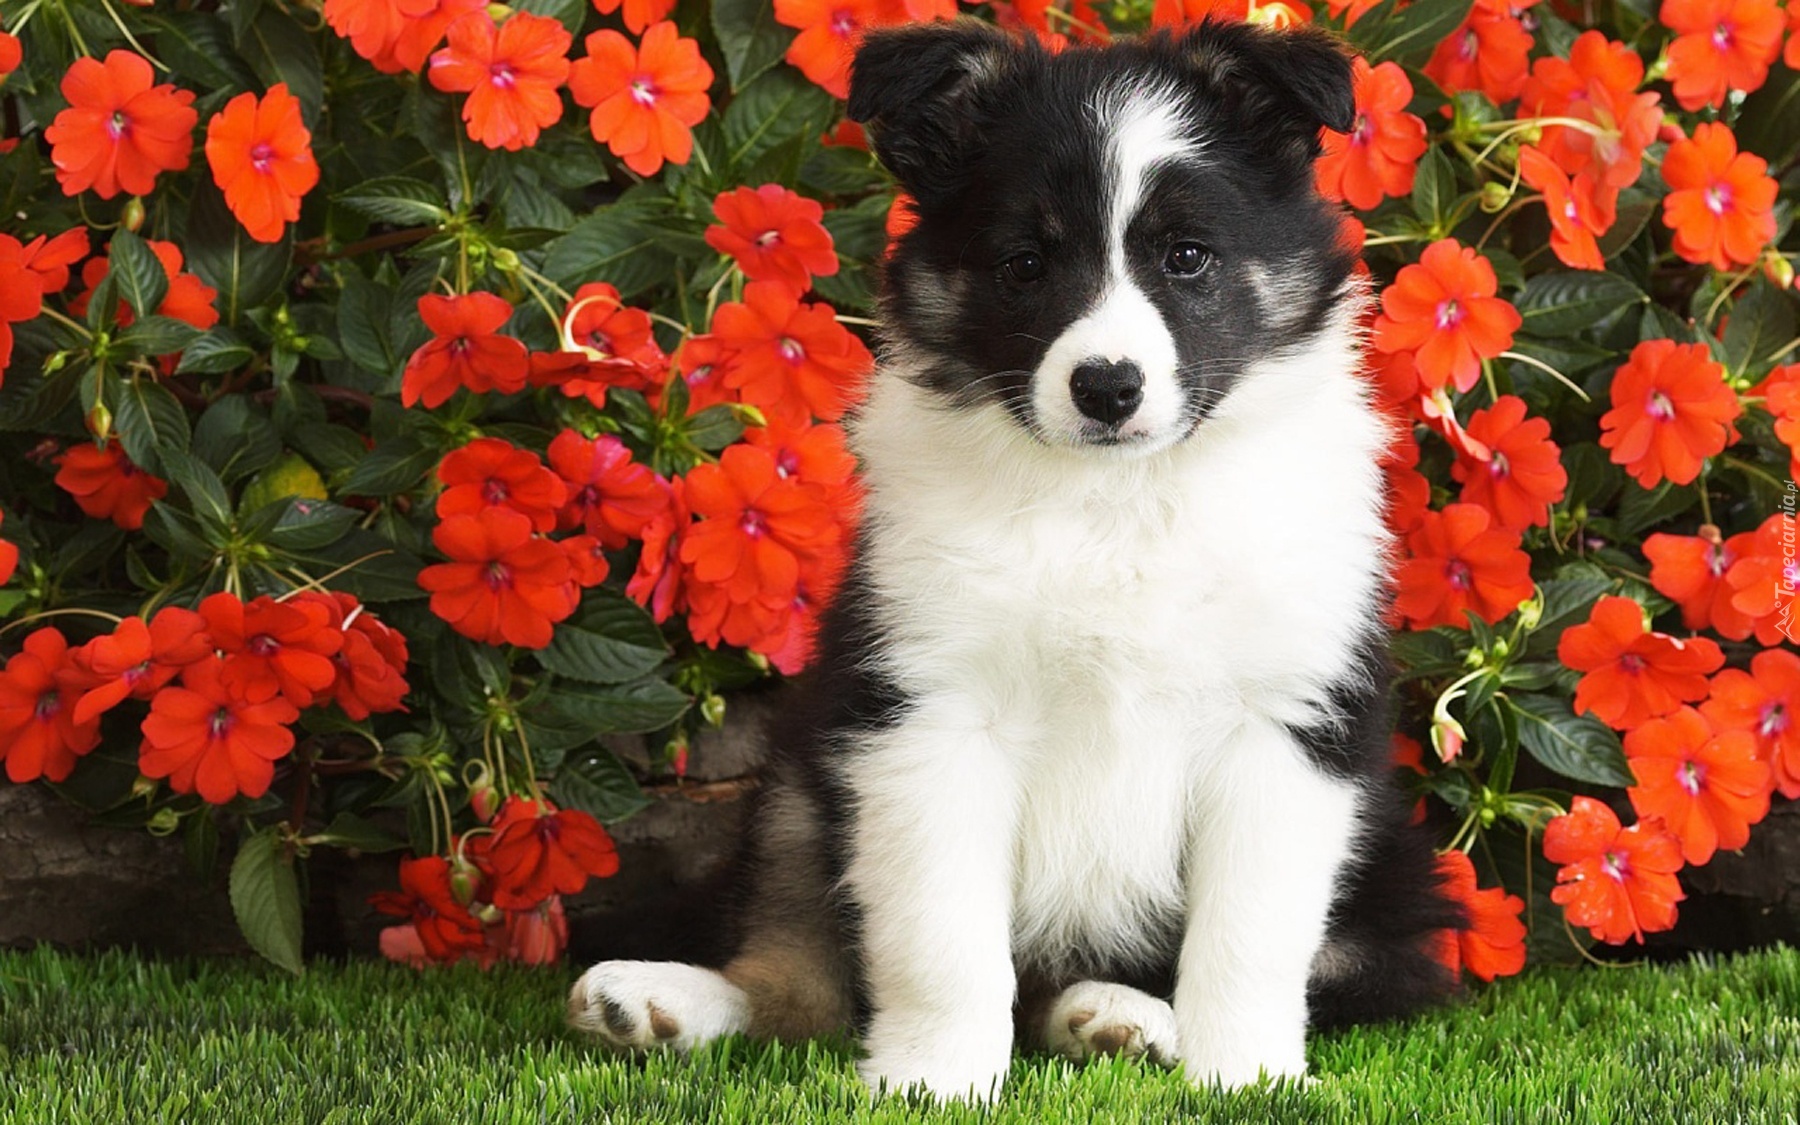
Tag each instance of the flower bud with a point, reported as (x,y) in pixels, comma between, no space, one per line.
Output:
(712,709)
(1495,196)
(163,822)
(1778,270)
(132,217)
(1447,736)
(506,260)
(463,881)
(99,421)
(1532,611)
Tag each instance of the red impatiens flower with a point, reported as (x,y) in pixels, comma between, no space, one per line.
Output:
(137,659)
(371,662)
(260,151)
(1791,55)
(39,734)
(188,299)
(1493,945)
(644,99)
(829,33)
(1765,701)
(466,351)
(9,557)
(274,648)
(21,295)
(503,585)
(1598,84)
(512,73)
(657,583)
(1523,474)
(120,131)
(757,528)
(11,54)
(1458,561)
(1490,52)
(774,234)
(1707,785)
(1380,154)
(703,363)
(1633,674)
(1720,45)
(1691,571)
(1721,201)
(50,258)
(1763,579)
(638,14)
(610,496)
(1444,311)
(208,739)
(792,358)
(444,926)
(1671,411)
(600,322)
(1619,883)
(1580,210)
(106,485)
(396,35)
(491,471)
(537,851)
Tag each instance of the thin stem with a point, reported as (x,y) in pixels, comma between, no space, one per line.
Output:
(129,37)
(1547,369)
(70,612)
(1512,209)
(1737,279)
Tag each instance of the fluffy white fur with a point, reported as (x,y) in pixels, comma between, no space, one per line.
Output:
(1099,1018)
(656,1004)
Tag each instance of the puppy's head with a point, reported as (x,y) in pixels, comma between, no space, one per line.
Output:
(1107,238)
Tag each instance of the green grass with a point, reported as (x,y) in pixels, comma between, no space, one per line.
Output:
(116,1039)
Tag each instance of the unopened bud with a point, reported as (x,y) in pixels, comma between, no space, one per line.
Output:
(463,881)
(1778,270)
(506,260)
(163,822)
(1532,611)
(99,421)
(1495,196)
(1447,736)
(143,786)
(132,217)
(712,709)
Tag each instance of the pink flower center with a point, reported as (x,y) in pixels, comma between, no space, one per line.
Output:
(1717,561)
(1499,468)
(48,705)
(262,154)
(497,576)
(1449,314)
(768,238)
(1469,47)
(1363,131)
(1631,664)
(1689,777)
(1571,215)
(843,23)
(699,374)
(644,91)
(787,463)
(494,491)
(117,125)
(1615,865)
(1659,408)
(752,524)
(461,346)
(503,76)
(1722,36)
(221,723)
(790,350)
(1458,574)
(263,645)
(1717,198)
(1774,720)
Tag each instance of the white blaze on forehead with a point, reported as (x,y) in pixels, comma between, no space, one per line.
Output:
(1143,128)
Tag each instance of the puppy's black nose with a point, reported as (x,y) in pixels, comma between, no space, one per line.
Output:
(1107,392)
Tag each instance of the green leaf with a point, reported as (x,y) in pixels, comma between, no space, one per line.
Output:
(138,274)
(221,252)
(1417,29)
(715,428)
(598,784)
(347,830)
(613,641)
(215,352)
(617,244)
(155,335)
(309,525)
(400,200)
(749,38)
(638,707)
(365,317)
(205,492)
(278,49)
(265,896)
(1434,188)
(1581,748)
(775,108)
(199,47)
(391,467)
(1566,301)
(235,438)
(1567,601)
(151,423)
(176,532)
(1769,123)
(1761,323)
(1643,508)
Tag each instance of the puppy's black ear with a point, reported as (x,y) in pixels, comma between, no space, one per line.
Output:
(916,89)
(1299,79)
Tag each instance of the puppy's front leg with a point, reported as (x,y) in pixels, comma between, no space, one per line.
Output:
(930,874)
(1271,832)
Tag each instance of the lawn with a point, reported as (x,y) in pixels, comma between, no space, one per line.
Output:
(97,1040)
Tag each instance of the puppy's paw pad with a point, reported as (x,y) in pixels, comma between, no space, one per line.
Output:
(1098,1018)
(638,1005)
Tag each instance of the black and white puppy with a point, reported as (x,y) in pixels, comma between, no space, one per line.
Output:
(1099,739)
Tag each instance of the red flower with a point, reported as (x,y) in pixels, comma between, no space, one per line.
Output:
(274,648)
(657,582)
(445,927)
(106,485)
(1493,945)
(537,851)
(1456,562)
(370,663)
(1763,578)
(188,299)
(598,321)
(467,351)
(9,558)
(1408,491)
(503,585)
(1619,883)
(537,936)
(774,235)
(50,258)
(1490,52)
(1720,45)
(829,33)
(1791,56)
(135,660)
(1691,571)
(396,35)
(1579,211)
(1721,202)
(207,739)
(1597,83)
(491,472)
(610,496)
(1444,311)
(11,54)
(21,295)
(513,74)
(702,363)
(645,99)
(260,151)
(757,528)
(638,14)
(1706,785)
(1671,411)
(1765,702)
(1633,674)
(1380,154)
(39,735)
(1523,474)
(792,358)
(120,131)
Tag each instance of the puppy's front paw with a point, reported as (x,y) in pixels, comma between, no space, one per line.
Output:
(949,1061)
(637,1005)
(1099,1018)
(1230,1065)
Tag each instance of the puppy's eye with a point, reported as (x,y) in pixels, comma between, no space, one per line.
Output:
(1186,259)
(1028,266)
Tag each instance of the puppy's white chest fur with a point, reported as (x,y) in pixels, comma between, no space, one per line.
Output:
(1102,622)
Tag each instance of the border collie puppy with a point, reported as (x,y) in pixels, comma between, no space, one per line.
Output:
(1097,750)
